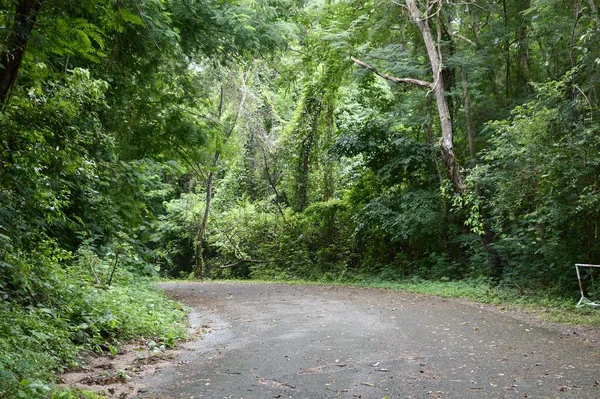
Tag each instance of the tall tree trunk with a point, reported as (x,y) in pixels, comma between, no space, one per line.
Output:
(438,87)
(594,11)
(507,55)
(301,197)
(26,14)
(435,59)
(328,172)
(523,70)
(576,8)
(199,270)
(312,113)
(271,180)
(468,119)
(249,164)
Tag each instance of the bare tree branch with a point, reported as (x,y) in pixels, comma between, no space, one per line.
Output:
(465,39)
(242,261)
(394,79)
(236,251)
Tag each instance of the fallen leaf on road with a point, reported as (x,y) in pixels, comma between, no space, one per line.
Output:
(276,384)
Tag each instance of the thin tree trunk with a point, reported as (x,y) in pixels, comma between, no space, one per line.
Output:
(594,10)
(474,26)
(199,270)
(523,70)
(250,164)
(272,181)
(492,72)
(301,201)
(328,178)
(507,49)
(576,7)
(468,119)
(25,16)
(114,268)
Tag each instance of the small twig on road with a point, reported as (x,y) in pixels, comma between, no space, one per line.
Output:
(337,390)
(368,384)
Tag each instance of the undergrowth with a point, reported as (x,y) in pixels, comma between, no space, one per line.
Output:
(56,308)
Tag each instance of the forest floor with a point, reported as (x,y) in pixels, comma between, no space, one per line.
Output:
(308,341)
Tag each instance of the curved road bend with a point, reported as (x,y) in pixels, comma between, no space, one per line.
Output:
(303,342)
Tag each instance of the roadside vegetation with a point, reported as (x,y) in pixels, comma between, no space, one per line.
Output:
(547,305)
(55,319)
(446,147)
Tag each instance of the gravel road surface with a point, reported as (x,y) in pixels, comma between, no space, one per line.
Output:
(295,341)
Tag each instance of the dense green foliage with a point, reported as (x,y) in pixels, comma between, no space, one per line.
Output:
(331,141)
(356,182)
(107,108)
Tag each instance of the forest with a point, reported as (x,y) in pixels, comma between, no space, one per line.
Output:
(314,140)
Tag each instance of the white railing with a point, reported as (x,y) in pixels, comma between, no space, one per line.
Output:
(584,300)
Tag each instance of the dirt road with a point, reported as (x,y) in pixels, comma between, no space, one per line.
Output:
(292,341)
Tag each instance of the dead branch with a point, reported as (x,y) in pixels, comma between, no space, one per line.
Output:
(242,261)
(465,39)
(238,254)
(394,79)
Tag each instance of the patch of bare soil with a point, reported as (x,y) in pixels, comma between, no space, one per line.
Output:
(120,376)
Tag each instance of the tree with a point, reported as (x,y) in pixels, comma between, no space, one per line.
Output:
(226,128)
(439,86)
(26,13)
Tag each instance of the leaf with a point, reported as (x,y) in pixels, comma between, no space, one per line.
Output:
(130,17)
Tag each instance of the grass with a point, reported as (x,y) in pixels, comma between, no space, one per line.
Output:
(548,305)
